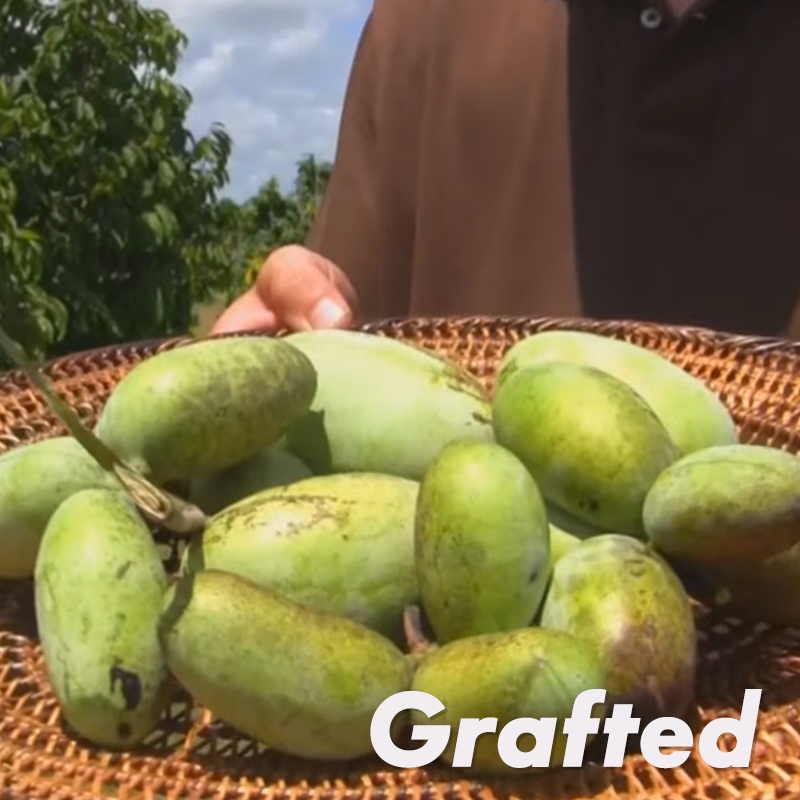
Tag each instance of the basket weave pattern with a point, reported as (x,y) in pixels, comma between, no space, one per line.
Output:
(193,756)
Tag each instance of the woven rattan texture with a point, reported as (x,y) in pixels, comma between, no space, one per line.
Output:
(193,756)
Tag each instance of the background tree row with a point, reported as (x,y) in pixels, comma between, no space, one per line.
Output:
(111,224)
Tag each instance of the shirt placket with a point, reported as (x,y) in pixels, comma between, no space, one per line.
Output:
(656,13)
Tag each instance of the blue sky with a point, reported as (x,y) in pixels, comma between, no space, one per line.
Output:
(273,72)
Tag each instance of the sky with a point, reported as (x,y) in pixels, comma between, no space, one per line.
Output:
(273,72)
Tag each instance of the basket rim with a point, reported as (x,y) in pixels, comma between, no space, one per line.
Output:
(696,333)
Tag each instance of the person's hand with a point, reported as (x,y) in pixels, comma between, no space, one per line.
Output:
(295,289)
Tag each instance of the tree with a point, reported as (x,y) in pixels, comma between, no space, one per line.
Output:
(109,225)
(271,219)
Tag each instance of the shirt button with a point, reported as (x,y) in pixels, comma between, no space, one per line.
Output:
(650,18)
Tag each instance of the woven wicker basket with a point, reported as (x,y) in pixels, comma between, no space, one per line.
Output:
(193,756)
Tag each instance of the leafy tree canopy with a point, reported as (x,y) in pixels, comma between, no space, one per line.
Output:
(111,228)
(109,225)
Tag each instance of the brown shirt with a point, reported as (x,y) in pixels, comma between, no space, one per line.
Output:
(596,157)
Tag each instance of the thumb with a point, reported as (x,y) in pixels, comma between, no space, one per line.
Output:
(305,291)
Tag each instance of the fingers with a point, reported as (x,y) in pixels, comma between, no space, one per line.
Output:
(295,289)
(339,279)
(305,291)
(246,313)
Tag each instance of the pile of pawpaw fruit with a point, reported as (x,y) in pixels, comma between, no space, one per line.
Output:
(547,535)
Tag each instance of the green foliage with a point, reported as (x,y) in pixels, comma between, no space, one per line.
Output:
(28,313)
(109,225)
(271,219)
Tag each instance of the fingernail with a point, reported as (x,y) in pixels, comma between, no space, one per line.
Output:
(326,314)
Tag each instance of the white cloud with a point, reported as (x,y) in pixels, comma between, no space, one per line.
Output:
(297,42)
(273,72)
(196,13)
(207,71)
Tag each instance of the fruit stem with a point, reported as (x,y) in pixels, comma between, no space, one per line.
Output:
(160,507)
(416,640)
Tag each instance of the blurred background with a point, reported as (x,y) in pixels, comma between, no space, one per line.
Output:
(153,154)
